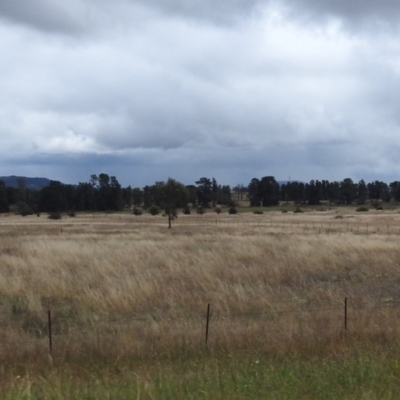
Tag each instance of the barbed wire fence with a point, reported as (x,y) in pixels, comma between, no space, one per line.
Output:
(283,318)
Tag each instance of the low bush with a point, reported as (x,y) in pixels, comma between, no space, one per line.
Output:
(187,210)
(137,211)
(362,209)
(232,210)
(218,210)
(200,210)
(54,215)
(154,210)
(258,212)
(21,208)
(298,210)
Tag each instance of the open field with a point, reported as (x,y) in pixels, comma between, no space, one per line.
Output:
(128,300)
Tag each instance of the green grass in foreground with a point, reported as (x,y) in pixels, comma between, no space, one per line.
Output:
(365,375)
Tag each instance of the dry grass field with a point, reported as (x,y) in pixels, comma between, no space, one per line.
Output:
(125,291)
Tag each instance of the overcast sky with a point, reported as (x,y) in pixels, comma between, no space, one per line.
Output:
(232,89)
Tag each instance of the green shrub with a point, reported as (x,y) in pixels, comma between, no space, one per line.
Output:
(362,209)
(19,304)
(258,212)
(218,210)
(298,210)
(21,208)
(232,210)
(25,210)
(137,211)
(154,210)
(187,210)
(54,215)
(200,210)
(284,211)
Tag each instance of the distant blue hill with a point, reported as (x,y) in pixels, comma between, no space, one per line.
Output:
(30,183)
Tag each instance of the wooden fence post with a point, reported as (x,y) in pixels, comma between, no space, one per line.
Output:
(207,322)
(50,334)
(345,314)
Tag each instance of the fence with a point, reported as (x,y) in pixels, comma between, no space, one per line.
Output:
(54,333)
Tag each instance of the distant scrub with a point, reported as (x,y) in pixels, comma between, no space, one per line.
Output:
(137,211)
(154,210)
(54,215)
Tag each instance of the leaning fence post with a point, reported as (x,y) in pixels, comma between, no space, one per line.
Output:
(50,335)
(207,322)
(345,314)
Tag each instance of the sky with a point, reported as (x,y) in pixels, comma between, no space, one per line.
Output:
(233,89)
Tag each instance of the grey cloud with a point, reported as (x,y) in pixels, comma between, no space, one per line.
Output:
(45,15)
(182,99)
(355,8)
(355,14)
(219,11)
(78,16)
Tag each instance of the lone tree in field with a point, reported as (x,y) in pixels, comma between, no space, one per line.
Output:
(174,195)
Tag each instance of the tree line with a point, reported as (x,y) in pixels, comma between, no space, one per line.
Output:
(267,192)
(104,193)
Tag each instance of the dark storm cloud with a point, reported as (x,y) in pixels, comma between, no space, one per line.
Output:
(355,9)
(219,11)
(366,17)
(46,15)
(76,16)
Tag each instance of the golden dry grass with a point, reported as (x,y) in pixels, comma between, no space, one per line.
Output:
(123,286)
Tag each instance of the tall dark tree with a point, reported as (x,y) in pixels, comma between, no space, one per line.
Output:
(204,192)
(138,197)
(362,192)
(334,193)
(85,197)
(147,197)
(103,192)
(174,195)
(313,194)
(348,191)
(52,198)
(268,191)
(3,197)
(192,193)
(115,200)
(224,196)
(395,190)
(254,192)
(127,197)
(214,191)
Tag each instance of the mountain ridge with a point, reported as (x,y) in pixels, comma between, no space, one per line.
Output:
(30,183)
